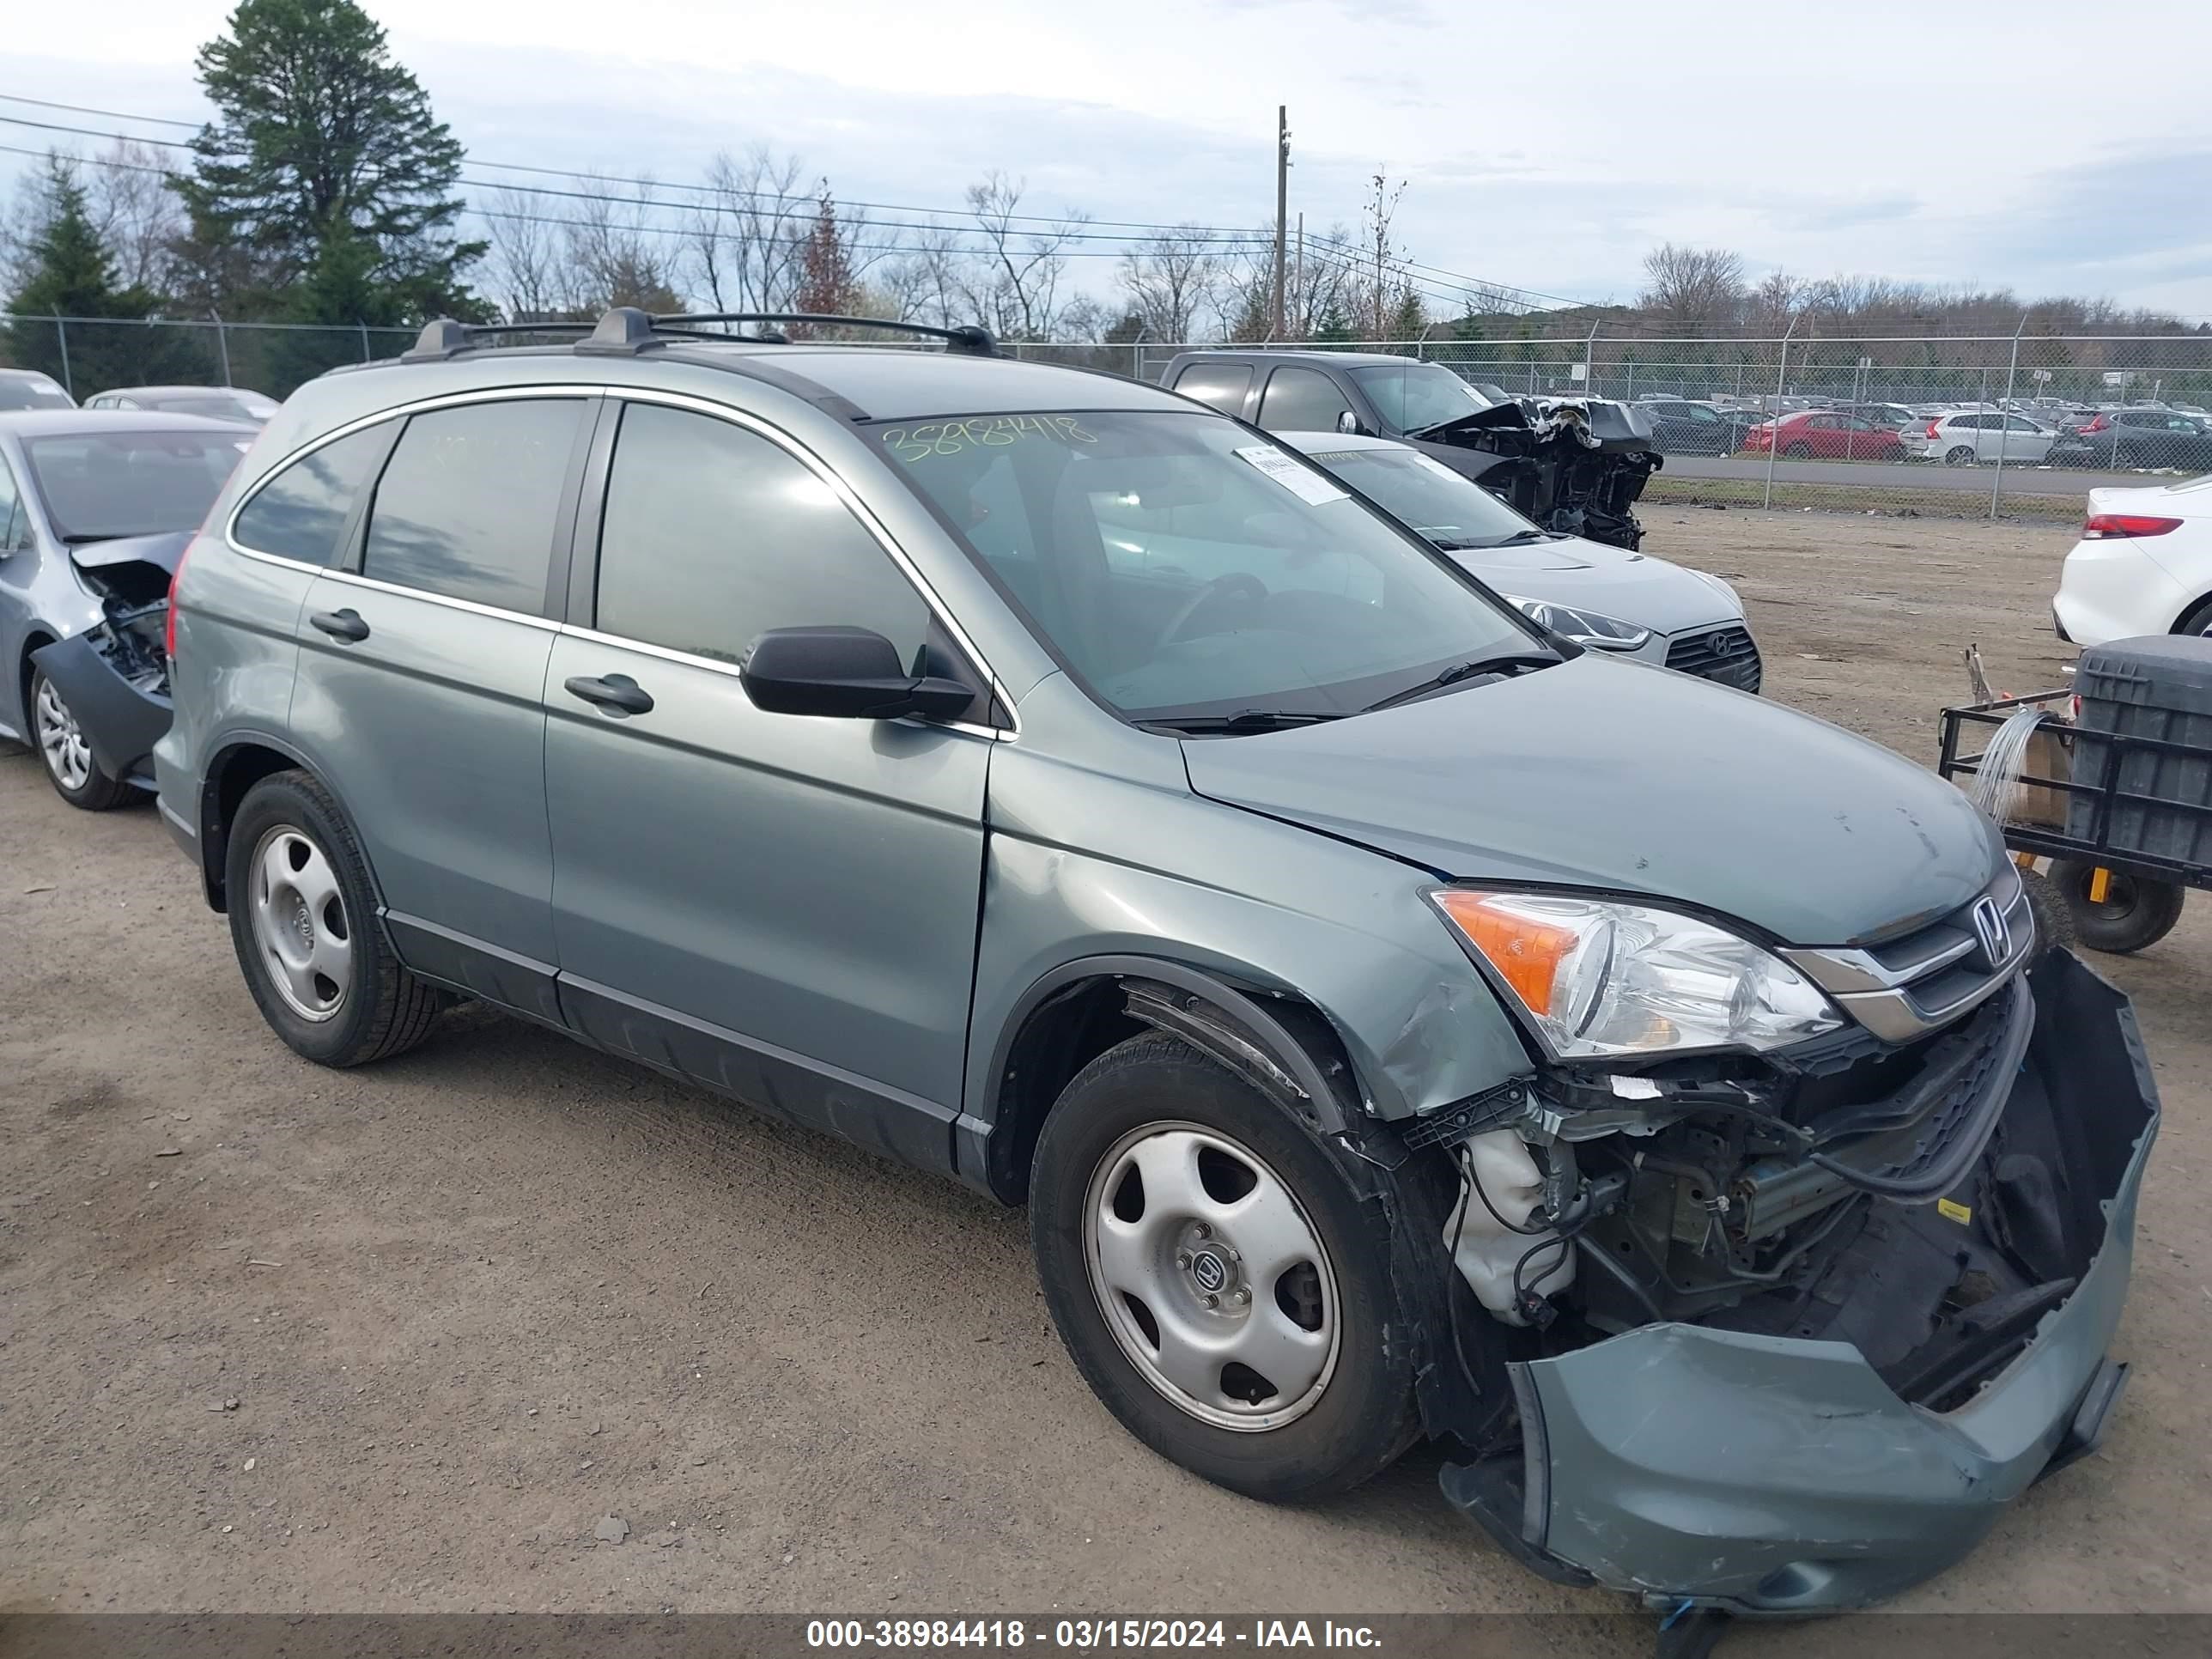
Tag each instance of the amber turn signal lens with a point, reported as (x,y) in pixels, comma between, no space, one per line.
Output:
(1526,952)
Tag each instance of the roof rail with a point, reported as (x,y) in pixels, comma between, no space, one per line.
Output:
(441,337)
(970,339)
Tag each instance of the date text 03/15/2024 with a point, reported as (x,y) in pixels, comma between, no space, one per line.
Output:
(1087,1635)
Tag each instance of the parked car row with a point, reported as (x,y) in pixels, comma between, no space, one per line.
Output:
(1404,1013)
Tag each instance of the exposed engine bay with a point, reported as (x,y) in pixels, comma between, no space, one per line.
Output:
(114,675)
(1859,1189)
(1573,465)
(134,599)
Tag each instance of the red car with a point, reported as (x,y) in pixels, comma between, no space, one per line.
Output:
(1822,434)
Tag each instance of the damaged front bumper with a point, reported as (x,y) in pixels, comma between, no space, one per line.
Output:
(121,720)
(1774,1475)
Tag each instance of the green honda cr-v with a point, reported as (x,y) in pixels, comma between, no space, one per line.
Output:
(1398,1020)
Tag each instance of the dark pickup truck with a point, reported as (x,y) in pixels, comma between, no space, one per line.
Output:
(1573,465)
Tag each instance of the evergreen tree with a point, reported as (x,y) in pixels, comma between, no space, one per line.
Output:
(1335,327)
(66,272)
(326,184)
(1408,321)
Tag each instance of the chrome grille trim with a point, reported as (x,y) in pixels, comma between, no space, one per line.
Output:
(1910,987)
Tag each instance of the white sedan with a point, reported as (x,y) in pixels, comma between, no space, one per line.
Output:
(2143,566)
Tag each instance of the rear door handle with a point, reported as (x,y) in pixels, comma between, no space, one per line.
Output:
(616,692)
(341,624)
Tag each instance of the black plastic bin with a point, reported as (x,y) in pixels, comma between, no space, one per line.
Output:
(2159,687)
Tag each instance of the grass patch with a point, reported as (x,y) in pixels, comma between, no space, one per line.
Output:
(1886,501)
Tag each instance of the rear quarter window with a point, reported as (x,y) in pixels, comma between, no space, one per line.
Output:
(1224,386)
(299,512)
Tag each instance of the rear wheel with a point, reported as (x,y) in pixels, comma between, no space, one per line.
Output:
(303,923)
(2132,912)
(74,774)
(1960,455)
(1799,452)
(2198,620)
(1217,1281)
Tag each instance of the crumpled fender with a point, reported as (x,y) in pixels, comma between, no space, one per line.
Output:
(121,724)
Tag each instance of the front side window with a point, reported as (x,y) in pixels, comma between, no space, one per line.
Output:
(1183,568)
(99,485)
(467,503)
(298,512)
(1301,400)
(713,535)
(15,517)
(1413,397)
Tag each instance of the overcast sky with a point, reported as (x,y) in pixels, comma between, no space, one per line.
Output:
(1545,145)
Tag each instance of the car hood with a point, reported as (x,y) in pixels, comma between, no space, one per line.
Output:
(1650,593)
(164,551)
(1605,774)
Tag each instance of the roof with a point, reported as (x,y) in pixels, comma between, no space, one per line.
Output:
(180,392)
(1341,359)
(902,384)
(28,375)
(60,422)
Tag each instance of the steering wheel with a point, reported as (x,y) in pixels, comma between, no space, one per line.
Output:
(1241,583)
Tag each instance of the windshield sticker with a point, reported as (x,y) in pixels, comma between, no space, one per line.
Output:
(1301,481)
(915,443)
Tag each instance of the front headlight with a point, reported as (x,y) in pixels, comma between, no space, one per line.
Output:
(1597,978)
(1588,628)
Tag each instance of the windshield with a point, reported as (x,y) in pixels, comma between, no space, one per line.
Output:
(1448,509)
(96,485)
(1418,395)
(1182,567)
(27,391)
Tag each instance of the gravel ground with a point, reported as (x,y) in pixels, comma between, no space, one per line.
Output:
(274,1338)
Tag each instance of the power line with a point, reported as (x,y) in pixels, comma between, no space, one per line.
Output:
(1216,236)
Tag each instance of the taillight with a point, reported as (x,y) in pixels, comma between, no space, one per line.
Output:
(2096,424)
(169,622)
(2100,527)
(1932,425)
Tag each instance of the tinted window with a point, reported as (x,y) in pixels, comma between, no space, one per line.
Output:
(713,535)
(106,483)
(298,514)
(1222,385)
(467,502)
(1302,400)
(1411,397)
(32,392)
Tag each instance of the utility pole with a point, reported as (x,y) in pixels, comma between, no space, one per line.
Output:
(1282,203)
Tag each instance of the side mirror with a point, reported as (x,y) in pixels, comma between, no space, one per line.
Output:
(1348,423)
(848,673)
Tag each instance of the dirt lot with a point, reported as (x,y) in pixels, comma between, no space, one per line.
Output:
(273,1337)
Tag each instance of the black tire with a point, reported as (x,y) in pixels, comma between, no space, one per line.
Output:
(385,1010)
(1960,455)
(2054,921)
(1800,452)
(98,793)
(2196,620)
(2136,911)
(1363,1416)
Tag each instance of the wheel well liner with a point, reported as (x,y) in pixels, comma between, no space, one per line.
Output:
(236,769)
(35,641)
(1283,1046)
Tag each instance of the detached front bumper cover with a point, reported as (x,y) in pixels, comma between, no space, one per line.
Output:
(121,723)
(1764,1475)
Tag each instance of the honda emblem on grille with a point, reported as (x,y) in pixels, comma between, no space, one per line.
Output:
(1991,929)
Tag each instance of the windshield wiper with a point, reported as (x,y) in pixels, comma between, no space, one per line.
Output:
(1521,538)
(1245,720)
(1464,670)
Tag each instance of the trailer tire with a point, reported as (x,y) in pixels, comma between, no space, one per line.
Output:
(2054,921)
(2136,911)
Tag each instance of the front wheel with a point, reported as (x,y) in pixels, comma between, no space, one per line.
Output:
(71,769)
(303,923)
(1217,1281)
(2130,914)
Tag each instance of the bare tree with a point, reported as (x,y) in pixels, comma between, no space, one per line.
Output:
(1702,285)
(1381,280)
(1015,285)
(1774,302)
(526,263)
(137,213)
(617,254)
(1172,280)
(746,239)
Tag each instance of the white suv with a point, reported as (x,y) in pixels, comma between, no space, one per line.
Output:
(1965,437)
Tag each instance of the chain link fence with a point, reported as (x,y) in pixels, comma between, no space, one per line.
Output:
(2014,426)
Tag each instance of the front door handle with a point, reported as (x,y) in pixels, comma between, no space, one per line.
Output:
(341,624)
(616,692)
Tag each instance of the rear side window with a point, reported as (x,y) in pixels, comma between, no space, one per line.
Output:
(1223,385)
(713,535)
(1303,400)
(298,512)
(466,506)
